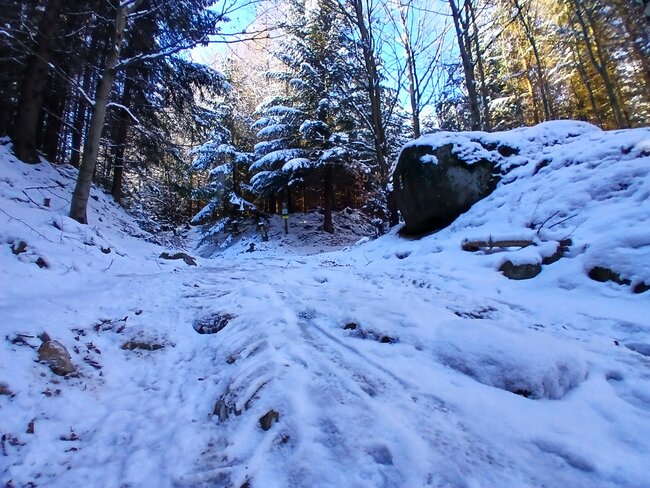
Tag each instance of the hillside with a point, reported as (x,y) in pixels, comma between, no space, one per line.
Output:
(395,362)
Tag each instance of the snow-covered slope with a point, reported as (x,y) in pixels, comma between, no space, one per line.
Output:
(397,363)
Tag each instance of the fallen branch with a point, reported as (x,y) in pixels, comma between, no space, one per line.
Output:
(25,224)
(473,246)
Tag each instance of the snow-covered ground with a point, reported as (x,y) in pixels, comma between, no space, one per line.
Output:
(393,363)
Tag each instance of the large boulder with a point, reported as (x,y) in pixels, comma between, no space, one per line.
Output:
(434,185)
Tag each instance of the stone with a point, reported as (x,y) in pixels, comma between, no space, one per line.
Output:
(520,271)
(189,260)
(431,195)
(603,275)
(266,420)
(145,346)
(57,357)
(4,390)
(212,323)
(19,247)
(561,249)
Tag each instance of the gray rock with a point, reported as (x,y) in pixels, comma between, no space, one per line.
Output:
(4,389)
(145,346)
(520,271)
(603,275)
(432,195)
(212,323)
(189,260)
(57,357)
(266,420)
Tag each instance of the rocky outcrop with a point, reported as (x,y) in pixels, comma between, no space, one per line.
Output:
(434,185)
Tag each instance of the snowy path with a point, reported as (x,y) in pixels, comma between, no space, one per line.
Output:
(372,405)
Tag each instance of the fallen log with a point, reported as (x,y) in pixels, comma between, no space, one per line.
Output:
(473,246)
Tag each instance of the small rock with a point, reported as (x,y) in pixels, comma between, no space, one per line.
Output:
(41,263)
(520,271)
(57,357)
(145,346)
(189,260)
(19,247)
(350,326)
(560,251)
(213,323)
(30,428)
(603,275)
(266,420)
(4,390)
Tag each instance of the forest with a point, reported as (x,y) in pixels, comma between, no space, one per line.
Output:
(212,111)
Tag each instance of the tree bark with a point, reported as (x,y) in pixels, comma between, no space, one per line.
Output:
(79,204)
(34,81)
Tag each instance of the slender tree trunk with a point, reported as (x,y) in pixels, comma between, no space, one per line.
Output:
(79,204)
(53,120)
(410,72)
(34,82)
(598,62)
(124,122)
(375,97)
(328,194)
(487,119)
(541,77)
(468,67)
(585,80)
(87,81)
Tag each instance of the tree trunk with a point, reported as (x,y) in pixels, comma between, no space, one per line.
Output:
(54,113)
(79,204)
(584,76)
(87,81)
(468,68)
(543,86)
(410,72)
(374,92)
(486,124)
(34,81)
(598,62)
(328,193)
(124,121)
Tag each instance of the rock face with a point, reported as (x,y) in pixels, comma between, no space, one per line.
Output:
(57,357)
(433,186)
